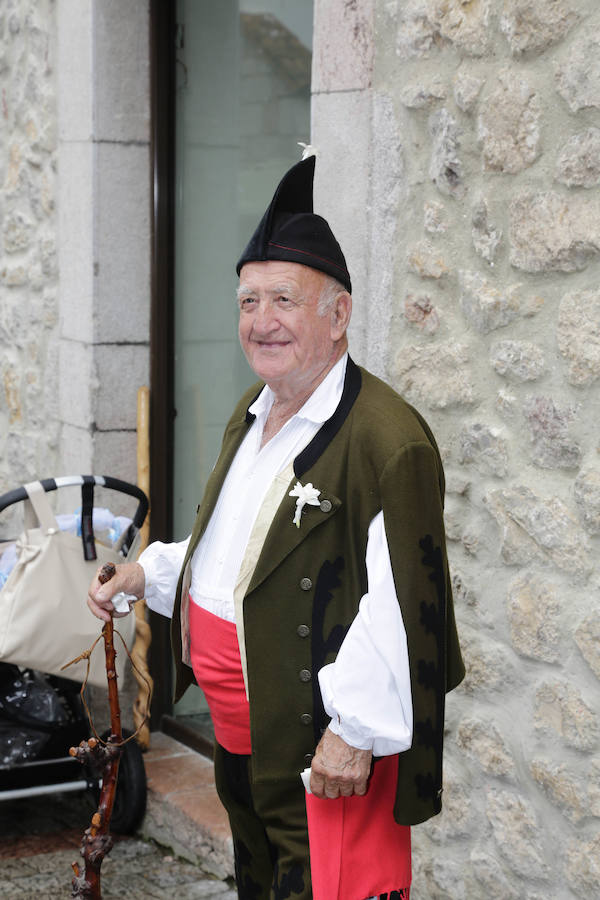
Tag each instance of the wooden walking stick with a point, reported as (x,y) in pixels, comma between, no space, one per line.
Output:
(97,842)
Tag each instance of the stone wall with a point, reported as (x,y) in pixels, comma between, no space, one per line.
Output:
(29,428)
(469,132)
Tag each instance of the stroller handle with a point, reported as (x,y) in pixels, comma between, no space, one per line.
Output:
(115,484)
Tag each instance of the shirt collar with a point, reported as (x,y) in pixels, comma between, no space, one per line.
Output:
(321,404)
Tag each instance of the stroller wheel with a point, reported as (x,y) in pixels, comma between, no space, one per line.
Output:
(130,796)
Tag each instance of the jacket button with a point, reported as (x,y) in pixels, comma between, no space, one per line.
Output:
(306,718)
(308,759)
(305,584)
(304,675)
(325,506)
(303,631)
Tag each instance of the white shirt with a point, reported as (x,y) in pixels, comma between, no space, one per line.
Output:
(366,691)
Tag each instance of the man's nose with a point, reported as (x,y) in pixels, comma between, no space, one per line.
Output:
(266,319)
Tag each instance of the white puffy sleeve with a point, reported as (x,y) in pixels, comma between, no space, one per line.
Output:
(162,564)
(366,691)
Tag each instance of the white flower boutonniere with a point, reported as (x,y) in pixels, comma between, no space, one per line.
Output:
(305,494)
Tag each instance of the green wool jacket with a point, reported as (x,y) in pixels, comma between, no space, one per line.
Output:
(375,452)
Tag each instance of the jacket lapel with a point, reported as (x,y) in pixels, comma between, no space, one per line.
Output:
(283,536)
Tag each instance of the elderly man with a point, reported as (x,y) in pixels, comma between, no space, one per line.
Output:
(312,601)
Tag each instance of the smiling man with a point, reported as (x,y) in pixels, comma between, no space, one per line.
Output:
(312,600)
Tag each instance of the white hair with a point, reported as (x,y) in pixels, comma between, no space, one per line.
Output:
(330,291)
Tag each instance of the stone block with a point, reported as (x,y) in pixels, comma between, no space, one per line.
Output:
(587,498)
(76,244)
(445,167)
(552,233)
(578,335)
(75,76)
(343,45)
(426,25)
(122,253)
(433,217)
(121,370)
(561,710)
(530,26)
(420,312)
(506,404)
(517,360)
(389,187)
(491,876)
(509,125)
(348,152)
(425,260)
(485,448)
(563,791)
(578,161)
(594,789)
(578,73)
(587,638)
(77,382)
(17,232)
(485,306)
(533,614)
(552,445)
(436,375)
(583,866)
(488,668)
(467,87)
(122,71)
(482,741)
(75,450)
(419,94)
(486,235)
(516,830)
(115,453)
(535,527)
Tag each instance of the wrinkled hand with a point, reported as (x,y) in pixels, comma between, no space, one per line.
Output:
(339,770)
(129,578)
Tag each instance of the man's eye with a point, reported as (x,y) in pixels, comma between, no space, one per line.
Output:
(284,300)
(246,301)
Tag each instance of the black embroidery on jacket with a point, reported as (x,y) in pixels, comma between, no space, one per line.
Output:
(327,580)
(425,733)
(431,672)
(427,787)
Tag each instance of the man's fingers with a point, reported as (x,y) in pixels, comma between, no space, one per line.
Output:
(332,790)
(98,611)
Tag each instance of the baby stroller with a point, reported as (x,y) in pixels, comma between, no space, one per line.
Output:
(41,712)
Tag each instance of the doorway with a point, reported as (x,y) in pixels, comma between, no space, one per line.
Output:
(242,102)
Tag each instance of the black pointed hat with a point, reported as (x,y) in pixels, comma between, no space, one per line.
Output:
(291,232)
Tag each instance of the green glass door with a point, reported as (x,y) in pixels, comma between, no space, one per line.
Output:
(243,103)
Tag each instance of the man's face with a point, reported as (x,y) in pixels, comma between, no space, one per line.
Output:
(287,343)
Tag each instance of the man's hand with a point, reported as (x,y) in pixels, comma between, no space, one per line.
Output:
(339,770)
(129,578)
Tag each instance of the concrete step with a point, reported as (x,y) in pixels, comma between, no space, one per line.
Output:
(184,812)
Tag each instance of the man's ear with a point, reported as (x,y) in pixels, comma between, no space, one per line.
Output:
(340,314)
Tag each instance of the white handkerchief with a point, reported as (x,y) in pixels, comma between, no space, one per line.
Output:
(123,603)
(305,776)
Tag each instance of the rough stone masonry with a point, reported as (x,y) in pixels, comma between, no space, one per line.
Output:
(496,337)
(28,269)
(486,147)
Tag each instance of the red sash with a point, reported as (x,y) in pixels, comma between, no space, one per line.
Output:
(215,657)
(357,850)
